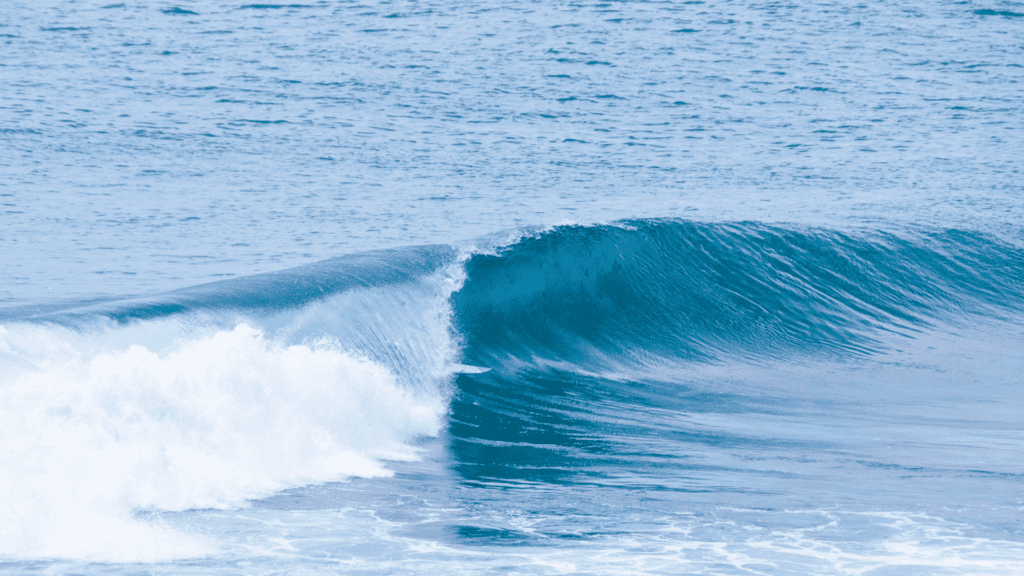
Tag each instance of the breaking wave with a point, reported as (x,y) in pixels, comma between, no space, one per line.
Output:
(215,395)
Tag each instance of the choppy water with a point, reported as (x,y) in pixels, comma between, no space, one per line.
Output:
(625,287)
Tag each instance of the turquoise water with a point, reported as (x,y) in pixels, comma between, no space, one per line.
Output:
(627,287)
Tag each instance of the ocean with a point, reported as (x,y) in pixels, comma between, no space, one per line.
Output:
(488,287)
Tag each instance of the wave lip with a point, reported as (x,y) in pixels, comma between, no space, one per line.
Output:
(702,291)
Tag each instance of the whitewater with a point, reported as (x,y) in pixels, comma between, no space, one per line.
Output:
(511,288)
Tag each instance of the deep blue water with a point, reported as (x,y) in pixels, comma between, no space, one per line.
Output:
(407,287)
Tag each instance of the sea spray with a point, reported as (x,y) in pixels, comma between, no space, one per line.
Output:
(208,423)
(139,405)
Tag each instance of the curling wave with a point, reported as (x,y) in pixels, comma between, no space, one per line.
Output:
(601,341)
(214,395)
(699,291)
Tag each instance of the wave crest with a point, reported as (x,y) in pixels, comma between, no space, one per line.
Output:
(700,291)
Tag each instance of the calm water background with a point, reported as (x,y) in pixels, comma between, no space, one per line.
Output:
(147,147)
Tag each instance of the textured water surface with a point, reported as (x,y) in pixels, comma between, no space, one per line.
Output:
(148,146)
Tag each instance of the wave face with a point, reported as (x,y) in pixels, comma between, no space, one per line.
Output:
(699,291)
(610,344)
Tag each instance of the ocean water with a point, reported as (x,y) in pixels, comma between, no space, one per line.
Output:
(511,288)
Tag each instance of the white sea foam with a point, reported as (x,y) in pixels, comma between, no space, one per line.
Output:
(372,540)
(96,427)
